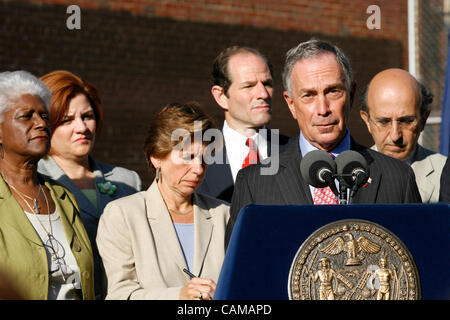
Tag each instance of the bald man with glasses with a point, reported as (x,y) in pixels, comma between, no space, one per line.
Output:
(395,108)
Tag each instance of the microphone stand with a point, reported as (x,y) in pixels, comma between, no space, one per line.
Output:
(342,191)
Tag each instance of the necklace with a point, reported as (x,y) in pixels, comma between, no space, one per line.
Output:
(52,243)
(181,213)
(35,208)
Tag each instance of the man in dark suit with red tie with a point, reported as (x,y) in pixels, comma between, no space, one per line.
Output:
(243,88)
(319,90)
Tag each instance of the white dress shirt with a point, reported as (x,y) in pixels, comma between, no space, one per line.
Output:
(237,150)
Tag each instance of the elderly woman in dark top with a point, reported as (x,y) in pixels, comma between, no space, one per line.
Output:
(44,247)
(75,120)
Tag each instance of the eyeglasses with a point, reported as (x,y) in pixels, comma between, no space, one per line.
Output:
(409,122)
(57,253)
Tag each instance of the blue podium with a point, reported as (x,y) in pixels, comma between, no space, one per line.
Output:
(266,239)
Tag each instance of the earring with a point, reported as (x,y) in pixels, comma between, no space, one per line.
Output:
(157,175)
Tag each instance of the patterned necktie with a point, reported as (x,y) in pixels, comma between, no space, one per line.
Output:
(325,195)
(253,154)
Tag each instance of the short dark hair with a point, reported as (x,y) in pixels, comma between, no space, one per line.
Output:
(425,98)
(220,72)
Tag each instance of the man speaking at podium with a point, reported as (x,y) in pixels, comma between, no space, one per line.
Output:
(319,90)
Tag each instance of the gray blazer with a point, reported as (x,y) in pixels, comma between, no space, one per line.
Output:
(141,252)
(427,166)
(127,182)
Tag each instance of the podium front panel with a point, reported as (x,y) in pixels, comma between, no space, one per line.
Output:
(266,239)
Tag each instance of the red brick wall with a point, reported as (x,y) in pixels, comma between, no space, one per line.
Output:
(331,17)
(150,54)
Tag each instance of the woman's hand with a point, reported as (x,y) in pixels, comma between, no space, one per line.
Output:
(198,289)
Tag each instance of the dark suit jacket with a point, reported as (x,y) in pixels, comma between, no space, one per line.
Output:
(392,181)
(218,182)
(444,194)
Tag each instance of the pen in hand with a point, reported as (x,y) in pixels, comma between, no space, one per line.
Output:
(201,297)
(190,274)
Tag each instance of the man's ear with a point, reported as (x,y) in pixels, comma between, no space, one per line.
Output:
(290,104)
(365,116)
(423,119)
(220,97)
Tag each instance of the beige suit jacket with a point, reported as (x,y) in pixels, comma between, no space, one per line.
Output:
(140,250)
(427,166)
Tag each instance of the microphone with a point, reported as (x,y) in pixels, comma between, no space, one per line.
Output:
(318,169)
(352,169)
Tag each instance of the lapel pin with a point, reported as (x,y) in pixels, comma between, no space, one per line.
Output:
(368,182)
(107,188)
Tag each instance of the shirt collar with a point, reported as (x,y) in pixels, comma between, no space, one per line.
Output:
(234,135)
(306,146)
(237,149)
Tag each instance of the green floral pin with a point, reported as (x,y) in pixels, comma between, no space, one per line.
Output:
(107,188)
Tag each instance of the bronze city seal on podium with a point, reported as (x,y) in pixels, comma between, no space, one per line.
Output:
(353,260)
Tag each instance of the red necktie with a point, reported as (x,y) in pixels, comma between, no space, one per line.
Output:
(325,195)
(253,155)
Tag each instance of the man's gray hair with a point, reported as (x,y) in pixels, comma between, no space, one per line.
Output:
(312,49)
(14,84)
(425,98)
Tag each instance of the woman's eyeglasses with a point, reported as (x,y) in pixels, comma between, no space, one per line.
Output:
(57,253)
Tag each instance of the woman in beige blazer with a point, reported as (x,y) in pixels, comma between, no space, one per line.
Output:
(147,239)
